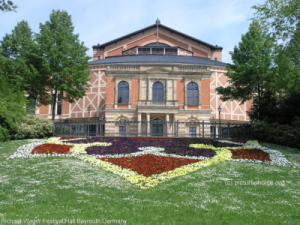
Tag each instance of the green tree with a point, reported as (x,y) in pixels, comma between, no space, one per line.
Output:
(293,52)
(66,62)
(280,16)
(7,6)
(12,109)
(22,63)
(250,75)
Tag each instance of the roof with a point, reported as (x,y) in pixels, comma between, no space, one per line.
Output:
(136,59)
(215,47)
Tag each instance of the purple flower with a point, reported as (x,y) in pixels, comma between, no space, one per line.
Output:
(126,145)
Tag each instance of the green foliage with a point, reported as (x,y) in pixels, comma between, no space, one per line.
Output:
(280,16)
(35,63)
(22,63)
(34,127)
(12,109)
(65,56)
(282,134)
(249,75)
(7,6)
(4,134)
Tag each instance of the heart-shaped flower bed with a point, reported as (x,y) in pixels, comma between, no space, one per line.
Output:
(147,162)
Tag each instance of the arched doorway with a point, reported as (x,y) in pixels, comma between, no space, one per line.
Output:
(157,127)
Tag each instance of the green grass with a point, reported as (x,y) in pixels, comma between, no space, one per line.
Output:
(69,191)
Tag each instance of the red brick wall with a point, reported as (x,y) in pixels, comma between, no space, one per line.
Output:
(152,38)
(199,53)
(205,92)
(110,94)
(180,92)
(115,52)
(134,91)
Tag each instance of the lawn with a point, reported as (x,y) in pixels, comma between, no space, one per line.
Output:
(65,190)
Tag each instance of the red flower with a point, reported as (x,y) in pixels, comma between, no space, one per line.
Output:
(250,154)
(149,164)
(51,149)
(66,138)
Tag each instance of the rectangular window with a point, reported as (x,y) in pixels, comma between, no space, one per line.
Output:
(58,107)
(192,132)
(157,51)
(122,130)
(144,51)
(171,51)
(192,97)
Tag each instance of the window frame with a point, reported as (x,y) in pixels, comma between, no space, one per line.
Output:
(123,93)
(192,94)
(158,93)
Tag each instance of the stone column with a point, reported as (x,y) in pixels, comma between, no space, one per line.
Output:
(148,125)
(139,118)
(167,124)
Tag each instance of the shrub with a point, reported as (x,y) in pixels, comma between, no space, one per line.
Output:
(12,109)
(34,127)
(4,134)
(282,134)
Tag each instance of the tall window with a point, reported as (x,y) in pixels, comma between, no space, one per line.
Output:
(192,94)
(58,107)
(123,92)
(158,91)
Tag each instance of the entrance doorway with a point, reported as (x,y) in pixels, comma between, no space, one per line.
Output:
(157,127)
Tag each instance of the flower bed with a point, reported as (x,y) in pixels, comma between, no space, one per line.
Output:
(150,164)
(147,162)
(256,154)
(51,149)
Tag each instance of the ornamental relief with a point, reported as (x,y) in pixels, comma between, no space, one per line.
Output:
(133,51)
(183,52)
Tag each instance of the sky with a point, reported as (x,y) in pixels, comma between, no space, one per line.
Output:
(217,22)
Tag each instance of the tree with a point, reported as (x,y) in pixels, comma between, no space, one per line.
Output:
(7,6)
(66,62)
(22,63)
(12,109)
(280,16)
(293,52)
(250,75)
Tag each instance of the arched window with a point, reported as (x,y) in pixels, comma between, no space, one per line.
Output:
(123,92)
(158,91)
(192,94)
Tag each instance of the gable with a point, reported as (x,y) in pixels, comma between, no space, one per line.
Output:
(149,35)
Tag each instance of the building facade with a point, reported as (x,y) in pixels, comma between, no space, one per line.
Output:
(155,76)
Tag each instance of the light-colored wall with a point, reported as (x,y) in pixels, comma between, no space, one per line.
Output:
(231,110)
